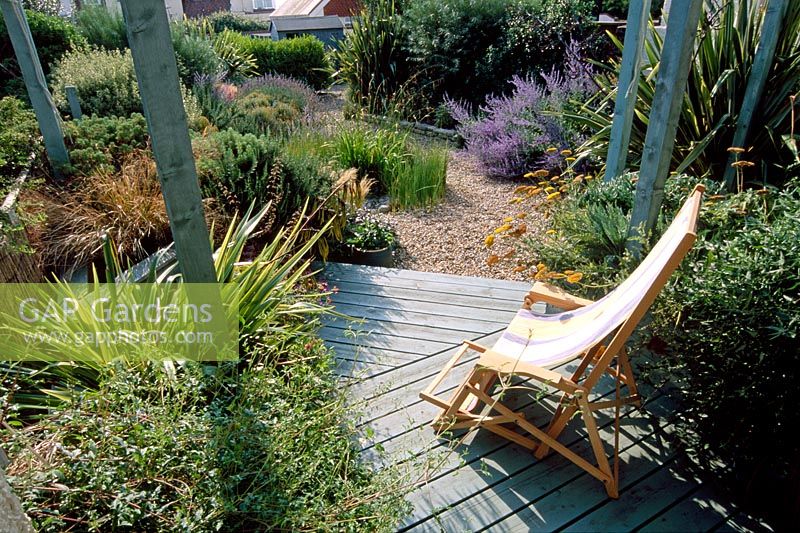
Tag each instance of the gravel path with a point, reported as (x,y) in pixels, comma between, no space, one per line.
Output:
(449,237)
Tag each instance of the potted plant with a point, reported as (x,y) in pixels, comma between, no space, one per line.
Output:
(367,241)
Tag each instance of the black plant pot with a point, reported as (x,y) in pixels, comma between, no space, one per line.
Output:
(357,256)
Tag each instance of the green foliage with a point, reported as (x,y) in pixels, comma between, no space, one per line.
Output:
(371,59)
(237,58)
(732,320)
(54,37)
(242,169)
(421,181)
(375,154)
(717,80)
(98,144)
(225,20)
(302,58)
(367,233)
(102,28)
(619,8)
(18,137)
(105,81)
(263,445)
(194,54)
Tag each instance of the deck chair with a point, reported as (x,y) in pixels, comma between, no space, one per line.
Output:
(592,332)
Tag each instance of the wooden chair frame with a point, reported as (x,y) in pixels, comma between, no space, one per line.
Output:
(472,403)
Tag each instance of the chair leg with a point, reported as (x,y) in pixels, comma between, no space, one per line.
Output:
(597,445)
(557,425)
(630,381)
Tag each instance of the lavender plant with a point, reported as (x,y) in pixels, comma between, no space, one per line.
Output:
(512,132)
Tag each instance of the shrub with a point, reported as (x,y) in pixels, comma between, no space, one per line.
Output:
(717,80)
(99,144)
(273,104)
(242,169)
(468,49)
(54,37)
(104,79)
(302,58)
(102,28)
(269,104)
(512,133)
(421,181)
(732,321)
(619,8)
(194,54)
(225,20)
(18,138)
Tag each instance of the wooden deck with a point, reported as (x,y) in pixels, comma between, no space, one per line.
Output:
(413,323)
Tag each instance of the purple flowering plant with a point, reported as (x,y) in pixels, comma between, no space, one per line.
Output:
(512,132)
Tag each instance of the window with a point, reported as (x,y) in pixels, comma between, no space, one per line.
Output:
(263,4)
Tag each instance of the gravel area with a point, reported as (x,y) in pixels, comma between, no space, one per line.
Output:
(449,237)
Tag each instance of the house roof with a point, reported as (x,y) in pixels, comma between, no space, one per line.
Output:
(296,8)
(344,8)
(307,23)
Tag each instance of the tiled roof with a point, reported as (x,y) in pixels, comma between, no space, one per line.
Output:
(344,8)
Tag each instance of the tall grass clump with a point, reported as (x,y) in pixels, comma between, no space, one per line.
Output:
(421,181)
(375,154)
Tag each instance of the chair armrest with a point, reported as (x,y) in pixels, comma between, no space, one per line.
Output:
(544,292)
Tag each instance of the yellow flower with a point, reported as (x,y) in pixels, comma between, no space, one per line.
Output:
(516,200)
(489,241)
(540,267)
(552,150)
(522,215)
(548,190)
(519,268)
(553,195)
(575,277)
(570,159)
(568,272)
(566,152)
(588,177)
(738,164)
(508,219)
(736,150)
(530,175)
(501,229)
(577,179)
(541,173)
(492,260)
(550,232)
(563,188)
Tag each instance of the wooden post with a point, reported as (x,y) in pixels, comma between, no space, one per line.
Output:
(74,103)
(673,73)
(627,88)
(46,113)
(770,31)
(157,75)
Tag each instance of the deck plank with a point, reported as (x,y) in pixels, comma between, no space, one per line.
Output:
(417,321)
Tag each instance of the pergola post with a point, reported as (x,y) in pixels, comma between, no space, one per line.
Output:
(42,101)
(157,75)
(627,88)
(770,31)
(663,122)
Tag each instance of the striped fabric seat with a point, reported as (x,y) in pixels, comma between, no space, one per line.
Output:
(550,340)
